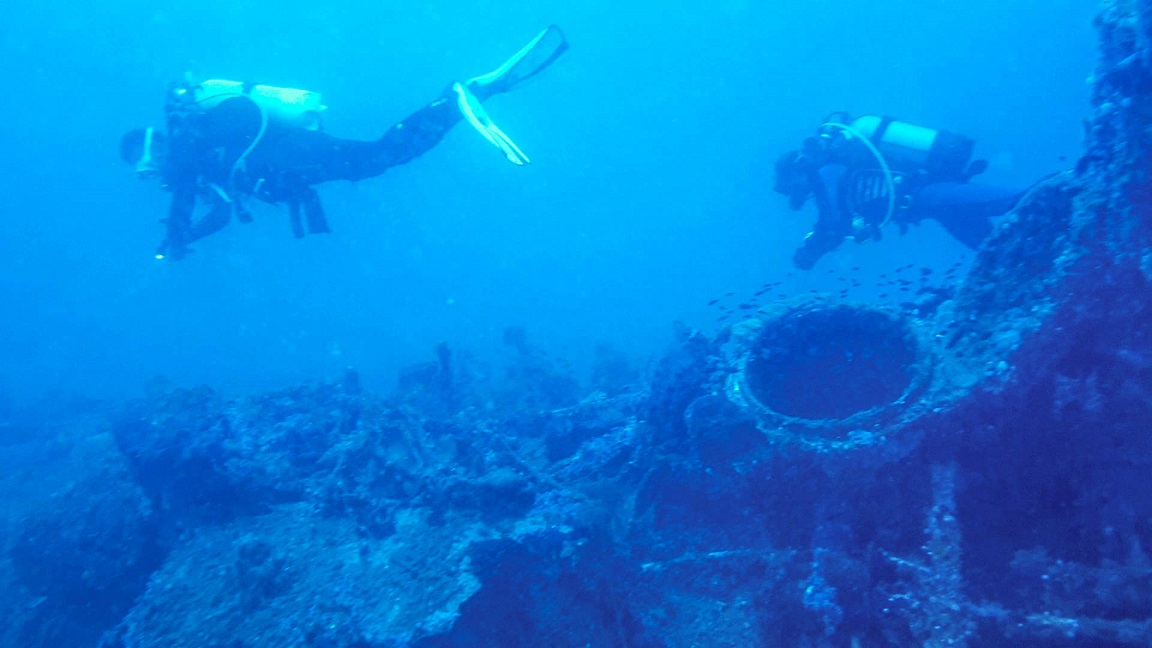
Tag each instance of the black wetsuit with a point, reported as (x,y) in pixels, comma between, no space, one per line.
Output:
(228,153)
(851,195)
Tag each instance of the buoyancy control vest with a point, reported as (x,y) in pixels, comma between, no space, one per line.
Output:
(903,153)
(285,107)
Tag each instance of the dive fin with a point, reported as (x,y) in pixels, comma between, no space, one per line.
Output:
(532,59)
(476,115)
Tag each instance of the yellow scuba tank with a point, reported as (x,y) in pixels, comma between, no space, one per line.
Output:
(908,146)
(284,106)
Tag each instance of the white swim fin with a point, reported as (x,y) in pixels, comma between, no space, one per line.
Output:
(531,60)
(474,112)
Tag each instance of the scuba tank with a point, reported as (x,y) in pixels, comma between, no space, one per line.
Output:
(907,147)
(901,150)
(284,106)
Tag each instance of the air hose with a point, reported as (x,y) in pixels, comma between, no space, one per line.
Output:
(889,182)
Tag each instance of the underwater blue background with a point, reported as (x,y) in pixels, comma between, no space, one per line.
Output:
(652,139)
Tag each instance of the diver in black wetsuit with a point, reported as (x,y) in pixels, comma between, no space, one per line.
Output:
(866,172)
(226,142)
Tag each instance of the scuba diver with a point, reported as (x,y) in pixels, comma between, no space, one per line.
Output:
(870,171)
(228,141)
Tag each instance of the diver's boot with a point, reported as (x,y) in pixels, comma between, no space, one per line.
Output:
(531,60)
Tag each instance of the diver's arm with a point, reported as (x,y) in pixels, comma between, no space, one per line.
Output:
(175,245)
(830,228)
(816,245)
(183,228)
(219,214)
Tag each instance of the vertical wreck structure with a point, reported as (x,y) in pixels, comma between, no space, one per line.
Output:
(973,472)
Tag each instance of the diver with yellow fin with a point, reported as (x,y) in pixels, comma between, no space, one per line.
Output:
(227,141)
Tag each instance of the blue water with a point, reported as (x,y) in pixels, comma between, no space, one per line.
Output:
(650,192)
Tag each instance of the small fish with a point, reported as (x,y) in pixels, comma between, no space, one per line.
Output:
(746,306)
(714,302)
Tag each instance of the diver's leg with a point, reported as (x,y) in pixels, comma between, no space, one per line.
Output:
(965,210)
(323,158)
(284,169)
(969,230)
(315,157)
(331,158)
(423,130)
(414,136)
